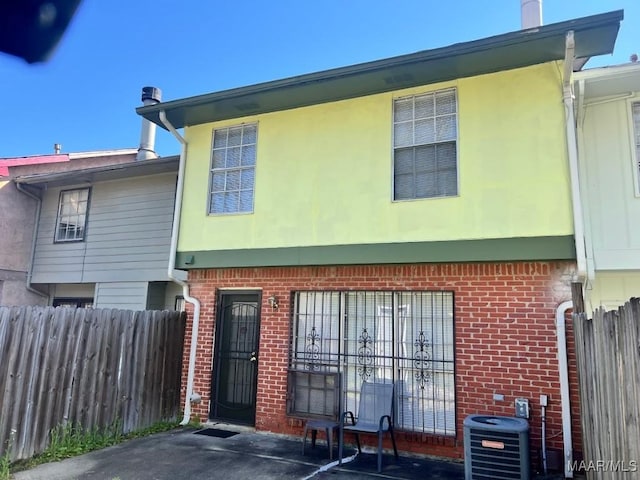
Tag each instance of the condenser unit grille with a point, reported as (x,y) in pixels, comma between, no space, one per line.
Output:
(496,448)
(494,455)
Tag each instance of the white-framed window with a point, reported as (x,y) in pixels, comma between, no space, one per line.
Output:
(71,223)
(425,135)
(233,163)
(406,338)
(635,117)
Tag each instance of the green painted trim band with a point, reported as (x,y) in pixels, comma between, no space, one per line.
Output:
(487,250)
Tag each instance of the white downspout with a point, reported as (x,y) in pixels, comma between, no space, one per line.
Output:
(178,275)
(34,239)
(572,153)
(563,369)
(581,256)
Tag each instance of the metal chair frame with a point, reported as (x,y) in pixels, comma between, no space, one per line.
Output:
(378,396)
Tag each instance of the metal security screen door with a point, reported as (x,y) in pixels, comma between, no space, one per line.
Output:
(233,389)
(405,338)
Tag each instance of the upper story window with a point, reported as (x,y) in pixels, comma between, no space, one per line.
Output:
(425,133)
(233,169)
(72,215)
(635,109)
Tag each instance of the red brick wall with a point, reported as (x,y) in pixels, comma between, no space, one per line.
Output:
(504,327)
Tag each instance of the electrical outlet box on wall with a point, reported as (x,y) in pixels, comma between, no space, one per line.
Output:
(522,408)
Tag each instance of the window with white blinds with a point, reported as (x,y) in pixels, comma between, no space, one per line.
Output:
(425,133)
(635,109)
(371,336)
(233,163)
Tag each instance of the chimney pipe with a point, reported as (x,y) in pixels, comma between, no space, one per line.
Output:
(56,148)
(150,96)
(531,13)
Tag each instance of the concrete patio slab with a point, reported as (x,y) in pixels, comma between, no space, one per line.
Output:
(180,454)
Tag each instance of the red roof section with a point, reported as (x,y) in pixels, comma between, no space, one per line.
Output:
(5,163)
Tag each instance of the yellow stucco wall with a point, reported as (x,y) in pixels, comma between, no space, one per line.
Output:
(324,173)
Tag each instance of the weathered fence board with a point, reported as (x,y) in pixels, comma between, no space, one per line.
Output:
(608,354)
(87,367)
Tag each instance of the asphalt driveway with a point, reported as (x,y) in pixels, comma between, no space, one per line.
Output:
(182,454)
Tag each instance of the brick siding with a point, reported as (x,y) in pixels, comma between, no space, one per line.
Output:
(504,331)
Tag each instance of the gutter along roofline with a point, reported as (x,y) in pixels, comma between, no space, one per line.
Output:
(103,172)
(595,35)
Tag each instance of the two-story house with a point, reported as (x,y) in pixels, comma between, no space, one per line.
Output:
(406,220)
(102,234)
(608,126)
(98,226)
(20,208)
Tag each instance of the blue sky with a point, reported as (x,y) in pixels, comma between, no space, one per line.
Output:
(84,97)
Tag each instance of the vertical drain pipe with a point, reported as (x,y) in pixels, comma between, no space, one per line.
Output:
(178,275)
(563,369)
(34,239)
(581,255)
(543,420)
(572,154)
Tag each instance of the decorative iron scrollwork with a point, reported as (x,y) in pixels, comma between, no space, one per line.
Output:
(365,355)
(422,360)
(312,350)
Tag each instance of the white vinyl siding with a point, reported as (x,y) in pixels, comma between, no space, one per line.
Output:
(128,234)
(233,163)
(608,172)
(72,215)
(425,136)
(635,112)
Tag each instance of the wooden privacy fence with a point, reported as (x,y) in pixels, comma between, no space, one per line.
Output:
(608,354)
(87,367)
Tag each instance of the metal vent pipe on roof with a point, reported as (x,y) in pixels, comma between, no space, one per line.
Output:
(57,148)
(146,151)
(531,13)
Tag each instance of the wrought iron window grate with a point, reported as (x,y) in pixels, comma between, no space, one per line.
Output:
(401,337)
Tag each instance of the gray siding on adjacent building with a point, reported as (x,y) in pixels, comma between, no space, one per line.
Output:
(127,236)
(122,295)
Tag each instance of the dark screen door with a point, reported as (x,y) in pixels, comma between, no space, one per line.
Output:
(235,369)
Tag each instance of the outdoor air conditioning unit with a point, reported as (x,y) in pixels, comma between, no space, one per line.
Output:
(496,448)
